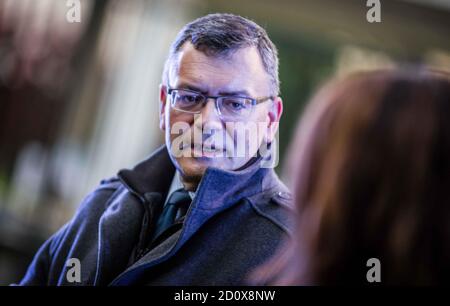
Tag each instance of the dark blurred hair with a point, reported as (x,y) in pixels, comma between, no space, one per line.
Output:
(371,178)
(220,35)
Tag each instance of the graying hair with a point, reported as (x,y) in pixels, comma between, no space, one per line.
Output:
(222,34)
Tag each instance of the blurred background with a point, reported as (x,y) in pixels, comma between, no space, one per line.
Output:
(78,101)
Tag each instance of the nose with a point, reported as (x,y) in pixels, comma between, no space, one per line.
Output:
(210,121)
(209,111)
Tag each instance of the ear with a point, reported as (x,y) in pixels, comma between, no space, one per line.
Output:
(274,116)
(162,106)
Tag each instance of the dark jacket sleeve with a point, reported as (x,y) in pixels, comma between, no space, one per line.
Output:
(49,261)
(37,273)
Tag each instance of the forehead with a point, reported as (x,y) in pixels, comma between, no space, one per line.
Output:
(240,70)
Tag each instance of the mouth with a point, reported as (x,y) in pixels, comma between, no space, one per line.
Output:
(201,150)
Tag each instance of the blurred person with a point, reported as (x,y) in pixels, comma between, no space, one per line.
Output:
(371,170)
(194,212)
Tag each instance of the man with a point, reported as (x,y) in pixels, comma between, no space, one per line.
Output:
(195,212)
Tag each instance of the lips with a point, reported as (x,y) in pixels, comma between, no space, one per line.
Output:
(201,150)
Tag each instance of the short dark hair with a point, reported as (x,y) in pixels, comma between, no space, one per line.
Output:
(220,35)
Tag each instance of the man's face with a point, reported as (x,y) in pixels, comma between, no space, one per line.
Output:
(210,139)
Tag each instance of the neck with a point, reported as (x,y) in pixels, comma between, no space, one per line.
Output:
(189,184)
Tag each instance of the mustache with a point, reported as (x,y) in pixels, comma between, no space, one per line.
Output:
(234,140)
(213,140)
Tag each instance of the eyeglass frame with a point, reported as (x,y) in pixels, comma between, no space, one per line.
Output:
(254,101)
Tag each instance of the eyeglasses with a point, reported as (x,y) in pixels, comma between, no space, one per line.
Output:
(231,107)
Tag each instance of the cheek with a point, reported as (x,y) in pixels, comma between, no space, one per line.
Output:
(178,128)
(263,116)
(174,117)
(262,121)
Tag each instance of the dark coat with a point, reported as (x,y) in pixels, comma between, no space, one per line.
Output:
(236,222)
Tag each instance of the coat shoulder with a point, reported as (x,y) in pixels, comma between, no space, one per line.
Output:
(276,206)
(97,201)
(112,183)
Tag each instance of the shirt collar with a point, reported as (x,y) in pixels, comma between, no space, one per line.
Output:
(175,185)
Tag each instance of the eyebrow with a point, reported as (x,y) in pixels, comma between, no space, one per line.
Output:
(235,93)
(185,85)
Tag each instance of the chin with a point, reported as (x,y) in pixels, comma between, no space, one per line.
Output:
(191,169)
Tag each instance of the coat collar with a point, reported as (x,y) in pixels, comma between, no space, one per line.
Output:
(216,189)
(154,174)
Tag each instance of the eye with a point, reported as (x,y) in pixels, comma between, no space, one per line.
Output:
(189,98)
(235,104)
